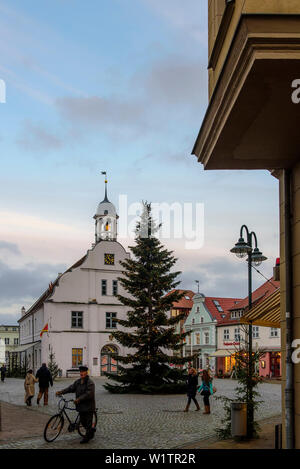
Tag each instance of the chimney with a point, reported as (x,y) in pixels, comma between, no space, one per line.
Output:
(23,311)
(276,270)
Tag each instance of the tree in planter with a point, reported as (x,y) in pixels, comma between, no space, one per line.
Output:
(147,278)
(247,378)
(53,366)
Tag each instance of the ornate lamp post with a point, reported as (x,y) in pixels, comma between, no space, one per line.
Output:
(242,249)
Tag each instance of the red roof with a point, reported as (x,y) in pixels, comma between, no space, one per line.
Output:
(225,304)
(186,301)
(262,292)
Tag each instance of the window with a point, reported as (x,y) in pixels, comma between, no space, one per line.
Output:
(115,287)
(226,334)
(197,338)
(206,338)
(16,341)
(77,319)
(237,336)
(255,332)
(198,309)
(202,319)
(14,328)
(218,306)
(6,340)
(104,287)
(274,332)
(76,357)
(111,322)
(193,321)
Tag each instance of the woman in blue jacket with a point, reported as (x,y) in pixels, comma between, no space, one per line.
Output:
(206,389)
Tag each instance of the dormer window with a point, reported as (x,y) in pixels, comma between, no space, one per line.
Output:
(218,306)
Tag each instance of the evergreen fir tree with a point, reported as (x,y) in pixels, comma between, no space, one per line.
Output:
(53,366)
(147,277)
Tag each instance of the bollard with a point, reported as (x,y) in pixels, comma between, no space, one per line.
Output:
(238,419)
(278,436)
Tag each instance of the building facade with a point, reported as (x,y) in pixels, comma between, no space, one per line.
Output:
(80,309)
(202,323)
(9,341)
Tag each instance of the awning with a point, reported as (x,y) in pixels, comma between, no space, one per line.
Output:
(222,353)
(25,347)
(266,313)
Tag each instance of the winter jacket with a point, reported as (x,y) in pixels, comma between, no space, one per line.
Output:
(84,392)
(206,387)
(29,383)
(192,383)
(44,376)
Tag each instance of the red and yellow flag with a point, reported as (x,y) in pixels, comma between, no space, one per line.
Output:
(45,329)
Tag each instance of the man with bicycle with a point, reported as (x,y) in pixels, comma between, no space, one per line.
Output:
(84,389)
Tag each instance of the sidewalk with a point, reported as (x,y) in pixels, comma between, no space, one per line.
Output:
(266,440)
(21,422)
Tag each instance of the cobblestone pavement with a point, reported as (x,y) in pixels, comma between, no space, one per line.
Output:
(138,421)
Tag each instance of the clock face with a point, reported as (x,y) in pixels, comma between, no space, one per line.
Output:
(109,259)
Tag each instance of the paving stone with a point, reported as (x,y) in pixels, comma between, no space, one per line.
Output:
(137,421)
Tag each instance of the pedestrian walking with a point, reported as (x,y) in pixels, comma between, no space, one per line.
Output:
(29,386)
(206,389)
(45,378)
(192,384)
(3,372)
(84,389)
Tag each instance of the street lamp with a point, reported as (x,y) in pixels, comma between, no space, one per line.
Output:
(242,249)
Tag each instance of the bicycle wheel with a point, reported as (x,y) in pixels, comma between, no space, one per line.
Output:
(54,427)
(82,430)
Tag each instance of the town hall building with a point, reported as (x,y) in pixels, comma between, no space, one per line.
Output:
(78,311)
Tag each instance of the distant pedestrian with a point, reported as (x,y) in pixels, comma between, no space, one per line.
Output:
(84,389)
(45,378)
(29,386)
(206,390)
(192,384)
(3,372)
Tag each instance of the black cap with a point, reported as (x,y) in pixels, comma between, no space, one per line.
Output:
(83,368)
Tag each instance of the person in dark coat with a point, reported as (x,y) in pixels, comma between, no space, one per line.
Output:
(45,378)
(3,372)
(192,385)
(84,389)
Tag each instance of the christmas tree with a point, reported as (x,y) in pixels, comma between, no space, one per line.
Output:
(53,366)
(147,277)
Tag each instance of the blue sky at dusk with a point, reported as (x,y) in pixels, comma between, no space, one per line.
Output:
(121,86)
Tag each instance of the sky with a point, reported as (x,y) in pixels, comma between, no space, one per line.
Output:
(117,86)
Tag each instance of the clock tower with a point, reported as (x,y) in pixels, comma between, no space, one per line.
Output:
(105,219)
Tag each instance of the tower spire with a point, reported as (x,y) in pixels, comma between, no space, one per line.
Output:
(105,197)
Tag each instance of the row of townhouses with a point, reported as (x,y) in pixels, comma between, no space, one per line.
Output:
(217,332)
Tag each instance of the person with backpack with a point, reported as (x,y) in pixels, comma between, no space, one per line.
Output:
(206,390)
(45,378)
(192,384)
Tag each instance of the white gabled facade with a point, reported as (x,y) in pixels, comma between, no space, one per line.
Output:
(80,308)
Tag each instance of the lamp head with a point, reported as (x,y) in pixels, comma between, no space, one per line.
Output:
(241,249)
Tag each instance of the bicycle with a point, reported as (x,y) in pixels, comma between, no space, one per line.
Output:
(55,424)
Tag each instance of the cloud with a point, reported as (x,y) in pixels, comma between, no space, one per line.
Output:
(28,281)
(170,91)
(220,278)
(35,138)
(12,247)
